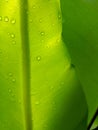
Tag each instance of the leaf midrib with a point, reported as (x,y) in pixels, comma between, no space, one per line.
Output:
(25,63)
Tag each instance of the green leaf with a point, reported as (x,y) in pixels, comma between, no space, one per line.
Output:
(80,33)
(94,122)
(39,89)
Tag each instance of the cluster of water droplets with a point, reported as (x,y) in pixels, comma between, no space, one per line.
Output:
(11,93)
(6,19)
(13,80)
(12,77)
(43,33)
(12,36)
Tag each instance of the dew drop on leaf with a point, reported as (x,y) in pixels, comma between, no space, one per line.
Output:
(0,18)
(9,90)
(12,35)
(38,58)
(42,33)
(59,16)
(13,21)
(33,6)
(13,80)
(14,42)
(10,74)
(6,19)
(37,103)
(40,20)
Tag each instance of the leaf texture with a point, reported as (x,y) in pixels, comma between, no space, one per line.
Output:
(39,89)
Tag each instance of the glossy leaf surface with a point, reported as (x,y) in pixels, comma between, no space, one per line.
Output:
(39,89)
(80,33)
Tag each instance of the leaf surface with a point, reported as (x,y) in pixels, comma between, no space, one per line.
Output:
(80,33)
(39,89)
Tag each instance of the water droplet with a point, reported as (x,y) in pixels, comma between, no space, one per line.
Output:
(12,35)
(13,80)
(14,42)
(10,91)
(13,21)
(59,16)
(0,18)
(37,102)
(10,74)
(6,19)
(40,20)
(33,6)
(42,33)
(38,58)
